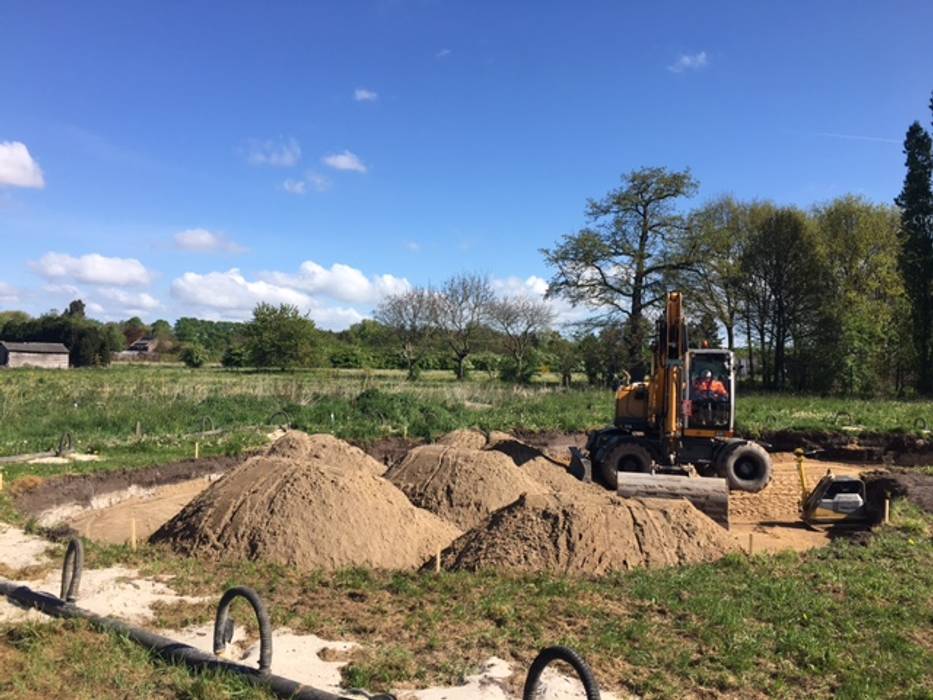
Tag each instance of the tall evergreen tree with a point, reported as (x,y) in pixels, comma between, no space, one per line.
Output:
(916,203)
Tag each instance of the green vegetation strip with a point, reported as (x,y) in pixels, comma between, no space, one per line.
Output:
(101,408)
(849,621)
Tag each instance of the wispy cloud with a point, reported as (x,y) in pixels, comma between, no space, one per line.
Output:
(854,137)
(277,154)
(311,180)
(413,246)
(17,167)
(689,62)
(443,53)
(345,161)
(203,241)
(364,95)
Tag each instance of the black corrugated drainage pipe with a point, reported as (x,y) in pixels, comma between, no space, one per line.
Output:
(166,648)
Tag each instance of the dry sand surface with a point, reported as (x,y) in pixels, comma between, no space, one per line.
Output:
(115,592)
(779,502)
(460,484)
(491,683)
(297,445)
(146,512)
(471,439)
(598,535)
(294,656)
(19,550)
(308,513)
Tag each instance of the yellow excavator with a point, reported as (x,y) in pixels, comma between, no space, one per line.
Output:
(677,426)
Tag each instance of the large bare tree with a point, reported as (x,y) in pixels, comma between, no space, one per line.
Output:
(521,321)
(410,316)
(622,260)
(461,308)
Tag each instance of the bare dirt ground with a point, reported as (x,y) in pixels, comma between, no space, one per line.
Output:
(103,506)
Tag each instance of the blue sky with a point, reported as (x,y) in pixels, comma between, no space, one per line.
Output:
(176,158)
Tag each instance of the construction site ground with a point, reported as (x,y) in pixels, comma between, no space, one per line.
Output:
(430,636)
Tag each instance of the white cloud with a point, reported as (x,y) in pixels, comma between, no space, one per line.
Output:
(345,161)
(68,290)
(203,241)
(689,62)
(17,167)
(278,154)
(230,295)
(8,293)
(364,95)
(443,53)
(295,186)
(339,281)
(92,269)
(536,287)
(412,246)
(134,302)
(315,181)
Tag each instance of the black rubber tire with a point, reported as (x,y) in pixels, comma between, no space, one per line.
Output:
(569,656)
(627,457)
(747,468)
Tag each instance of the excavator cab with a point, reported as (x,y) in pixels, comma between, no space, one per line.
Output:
(710,402)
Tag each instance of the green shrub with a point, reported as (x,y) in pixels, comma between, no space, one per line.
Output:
(193,355)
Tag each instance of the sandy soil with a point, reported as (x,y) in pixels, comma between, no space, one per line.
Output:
(148,512)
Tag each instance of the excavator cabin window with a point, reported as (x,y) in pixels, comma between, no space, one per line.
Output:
(709,394)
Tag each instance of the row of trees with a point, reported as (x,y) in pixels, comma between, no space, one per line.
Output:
(836,298)
(465,316)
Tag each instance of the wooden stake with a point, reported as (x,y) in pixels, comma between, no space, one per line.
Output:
(133,534)
(887,511)
(139,429)
(1,481)
(197,449)
(437,561)
(751,543)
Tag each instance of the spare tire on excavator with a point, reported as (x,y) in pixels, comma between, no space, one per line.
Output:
(747,467)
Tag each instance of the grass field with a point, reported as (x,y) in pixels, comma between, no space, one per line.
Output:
(850,621)
(101,408)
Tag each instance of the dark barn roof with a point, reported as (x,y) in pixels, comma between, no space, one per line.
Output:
(38,348)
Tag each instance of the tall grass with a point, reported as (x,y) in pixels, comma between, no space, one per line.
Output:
(101,407)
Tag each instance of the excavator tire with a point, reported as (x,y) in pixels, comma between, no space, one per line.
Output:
(708,495)
(747,467)
(624,457)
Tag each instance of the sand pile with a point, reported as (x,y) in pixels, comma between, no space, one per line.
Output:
(599,535)
(459,484)
(298,445)
(318,508)
(470,439)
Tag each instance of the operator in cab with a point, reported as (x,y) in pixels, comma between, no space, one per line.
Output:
(705,387)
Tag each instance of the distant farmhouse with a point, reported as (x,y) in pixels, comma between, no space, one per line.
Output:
(142,350)
(46,355)
(145,344)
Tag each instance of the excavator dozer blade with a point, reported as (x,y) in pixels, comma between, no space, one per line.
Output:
(709,495)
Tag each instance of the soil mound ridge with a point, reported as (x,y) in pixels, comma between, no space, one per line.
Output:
(459,484)
(470,439)
(298,445)
(595,536)
(308,513)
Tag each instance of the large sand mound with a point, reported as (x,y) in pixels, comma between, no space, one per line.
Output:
(580,535)
(459,484)
(308,512)
(298,445)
